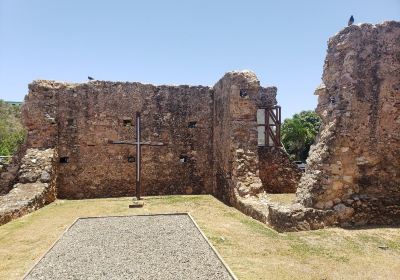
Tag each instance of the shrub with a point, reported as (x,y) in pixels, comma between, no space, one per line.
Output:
(12,133)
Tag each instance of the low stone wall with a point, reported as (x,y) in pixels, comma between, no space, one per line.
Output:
(296,217)
(277,172)
(35,188)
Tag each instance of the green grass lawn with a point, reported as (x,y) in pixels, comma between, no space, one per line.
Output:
(251,249)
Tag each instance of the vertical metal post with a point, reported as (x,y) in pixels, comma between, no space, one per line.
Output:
(267,128)
(138,155)
(278,131)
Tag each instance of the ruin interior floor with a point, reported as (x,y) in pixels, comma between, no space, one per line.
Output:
(132,247)
(251,249)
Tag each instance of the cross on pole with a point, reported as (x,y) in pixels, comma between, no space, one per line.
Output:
(138,145)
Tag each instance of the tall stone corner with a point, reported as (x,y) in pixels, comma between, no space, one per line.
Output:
(353,169)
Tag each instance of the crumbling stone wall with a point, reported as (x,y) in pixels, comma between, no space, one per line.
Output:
(9,171)
(235,136)
(355,167)
(80,119)
(239,162)
(35,185)
(277,172)
(209,136)
(353,174)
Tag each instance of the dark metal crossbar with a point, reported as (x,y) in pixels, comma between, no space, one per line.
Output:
(135,143)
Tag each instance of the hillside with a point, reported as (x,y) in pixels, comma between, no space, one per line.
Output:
(11,130)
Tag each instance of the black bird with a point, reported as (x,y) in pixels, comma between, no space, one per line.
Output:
(351,21)
(90,78)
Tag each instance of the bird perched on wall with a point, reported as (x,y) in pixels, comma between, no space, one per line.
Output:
(351,21)
(90,78)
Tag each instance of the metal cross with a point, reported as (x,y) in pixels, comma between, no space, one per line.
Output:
(138,144)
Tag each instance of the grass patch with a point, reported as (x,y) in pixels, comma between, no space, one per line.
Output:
(173,199)
(304,250)
(260,228)
(250,248)
(380,242)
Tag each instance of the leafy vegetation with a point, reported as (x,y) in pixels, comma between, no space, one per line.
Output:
(299,132)
(12,133)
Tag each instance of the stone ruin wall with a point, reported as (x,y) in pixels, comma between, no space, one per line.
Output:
(235,136)
(9,170)
(356,166)
(213,130)
(33,187)
(80,119)
(277,172)
(242,169)
(353,174)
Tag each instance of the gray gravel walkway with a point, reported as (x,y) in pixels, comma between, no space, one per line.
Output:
(132,247)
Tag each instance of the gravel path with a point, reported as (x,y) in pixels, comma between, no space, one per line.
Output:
(133,247)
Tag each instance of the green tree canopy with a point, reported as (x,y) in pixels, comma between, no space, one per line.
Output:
(12,133)
(299,132)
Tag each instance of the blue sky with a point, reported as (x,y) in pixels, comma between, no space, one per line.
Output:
(176,41)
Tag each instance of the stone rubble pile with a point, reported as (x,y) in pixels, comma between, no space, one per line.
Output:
(35,185)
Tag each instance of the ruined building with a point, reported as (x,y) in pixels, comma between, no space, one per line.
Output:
(224,140)
(353,175)
(213,140)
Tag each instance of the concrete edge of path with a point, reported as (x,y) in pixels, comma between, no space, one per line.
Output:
(147,215)
(213,248)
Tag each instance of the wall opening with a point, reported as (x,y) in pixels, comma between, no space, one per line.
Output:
(183,158)
(192,124)
(71,122)
(127,122)
(261,127)
(131,159)
(64,159)
(269,126)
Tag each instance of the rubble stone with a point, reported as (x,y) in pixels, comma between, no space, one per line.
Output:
(31,192)
(356,158)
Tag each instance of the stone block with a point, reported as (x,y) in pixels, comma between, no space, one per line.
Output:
(337,185)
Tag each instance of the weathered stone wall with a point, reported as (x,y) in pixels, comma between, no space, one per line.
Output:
(35,185)
(277,172)
(239,162)
(353,174)
(39,115)
(235,135)
(89,115)
(209,136)
(9,171)
(355,167)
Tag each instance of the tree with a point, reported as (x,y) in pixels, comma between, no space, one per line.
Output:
(299,132)
(12,133)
